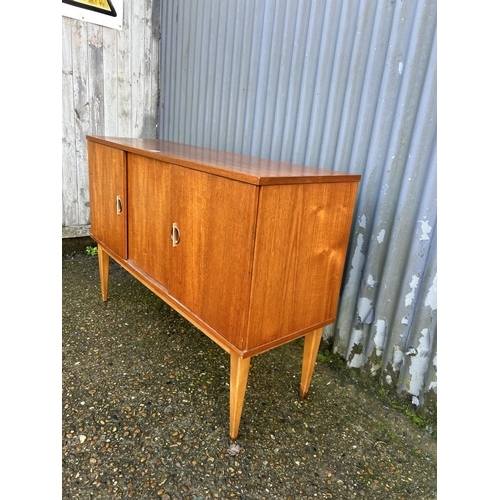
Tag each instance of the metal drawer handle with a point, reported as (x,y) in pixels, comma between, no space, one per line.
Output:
(175,235)
(118,205)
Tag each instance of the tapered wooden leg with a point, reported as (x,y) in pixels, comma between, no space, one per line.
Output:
(311,347)
(103,271)
(239,376)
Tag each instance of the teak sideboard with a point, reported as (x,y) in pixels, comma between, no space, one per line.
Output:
(250,251)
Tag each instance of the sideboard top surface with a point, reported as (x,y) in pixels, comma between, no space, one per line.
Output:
(250,169)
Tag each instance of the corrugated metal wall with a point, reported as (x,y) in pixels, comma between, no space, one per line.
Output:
(110,86)
(348,85)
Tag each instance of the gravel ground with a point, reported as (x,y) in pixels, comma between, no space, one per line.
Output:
(145,402)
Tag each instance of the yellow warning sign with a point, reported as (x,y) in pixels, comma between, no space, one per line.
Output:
(99,6)
(107,13)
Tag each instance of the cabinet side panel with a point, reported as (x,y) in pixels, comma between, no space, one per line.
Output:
(301,242)
(211,265)
(149,220)
(108,196)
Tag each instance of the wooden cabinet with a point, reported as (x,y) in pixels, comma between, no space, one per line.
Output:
(108,196)
(251,251)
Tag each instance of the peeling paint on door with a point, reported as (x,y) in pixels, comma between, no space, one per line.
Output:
(431,298)
(357,359)
(426,229)
(419,363)
(379,338)
(413,285)
(365,310)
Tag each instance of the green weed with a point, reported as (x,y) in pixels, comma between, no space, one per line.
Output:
(91,250)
